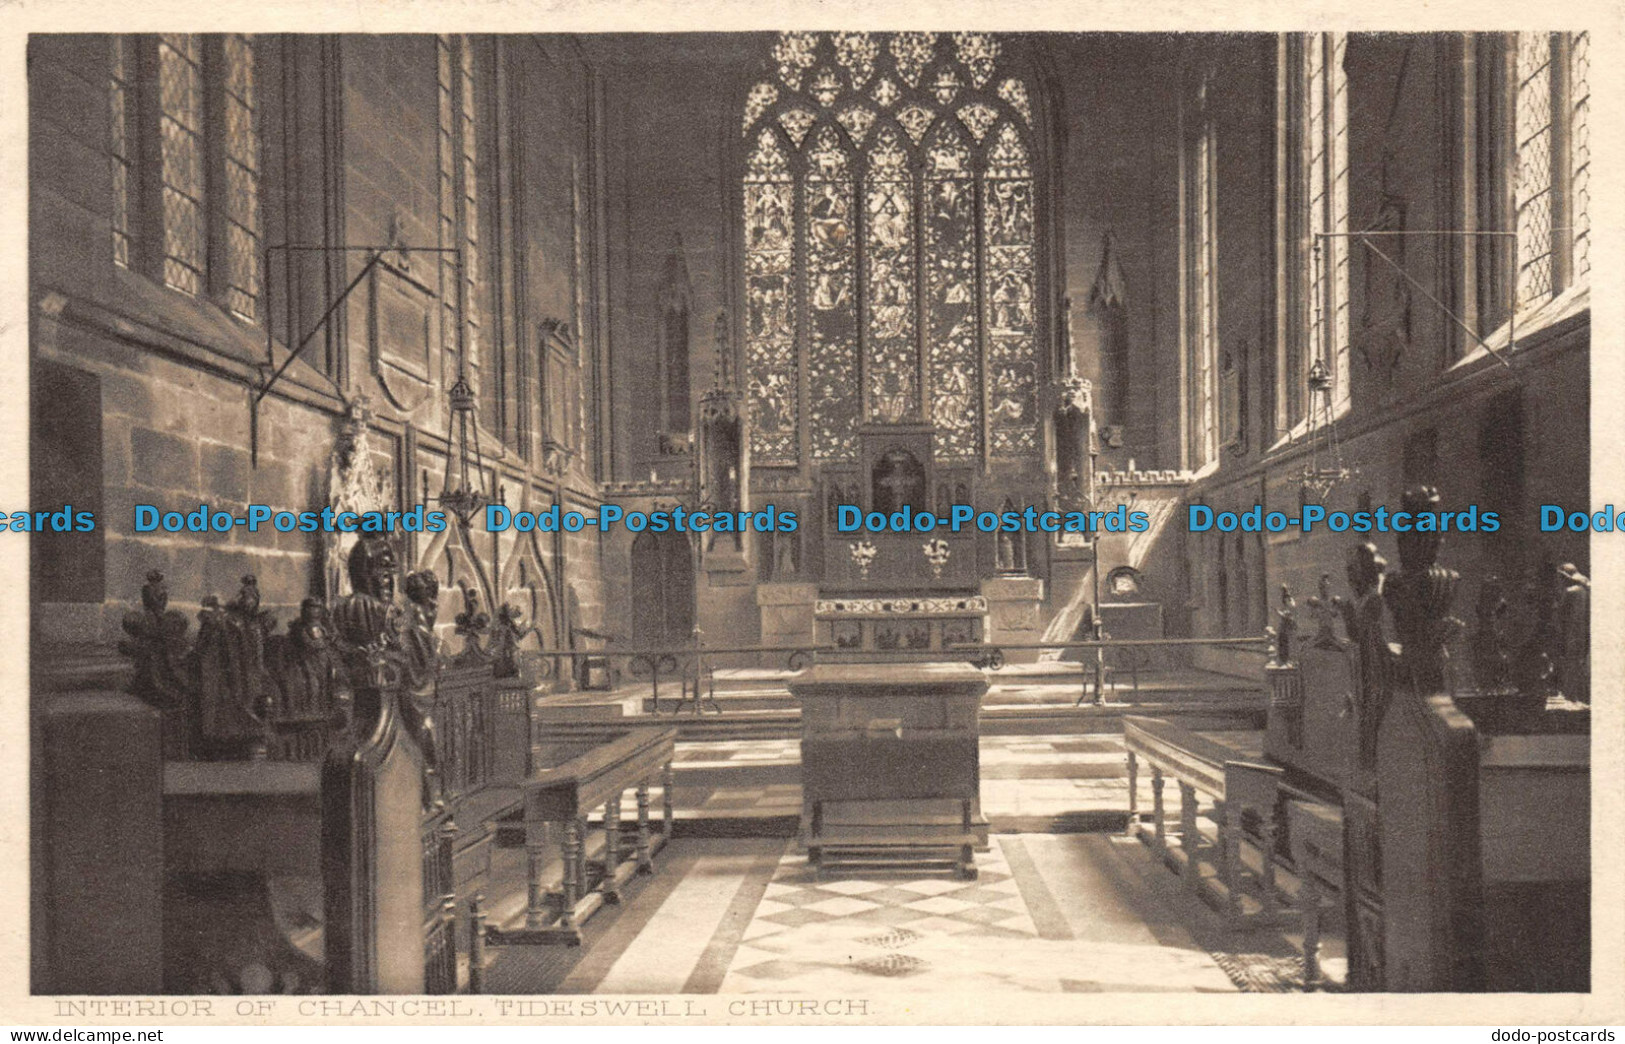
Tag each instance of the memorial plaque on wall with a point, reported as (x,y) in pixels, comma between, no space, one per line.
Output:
(399,334)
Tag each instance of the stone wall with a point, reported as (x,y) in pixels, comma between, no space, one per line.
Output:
(176,373)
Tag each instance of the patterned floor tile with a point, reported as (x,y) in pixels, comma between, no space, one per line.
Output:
(853,886)
(895,915)
(768,907)
(941,904)
(864,932)
(841,906)
(934,885)
(799,917)
(891,895)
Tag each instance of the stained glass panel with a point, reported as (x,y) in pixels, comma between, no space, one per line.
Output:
(770,350)
(834,402)
(951,333)
(857,120)
(1008,295)
(857,53)
(977,118)
(888,245)
(916,119)
(978,52)
(911,52)
(794,53)
(761,98)
(1014,92)
(796,123)
(826,87)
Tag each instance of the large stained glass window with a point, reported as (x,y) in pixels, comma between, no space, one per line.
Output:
(889,261)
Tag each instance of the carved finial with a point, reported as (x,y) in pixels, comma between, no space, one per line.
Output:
(247,600)
(1076,392)
(1420,596)
(1365,569)
(1573,654)
(505,638)
(1418,550)
(472,623)
(155,593)
(1285,626)
(1491,664)
(1323,608)
(721,400)
(423,591)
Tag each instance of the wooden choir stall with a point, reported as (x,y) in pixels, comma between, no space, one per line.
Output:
(332,799)
(1430,794)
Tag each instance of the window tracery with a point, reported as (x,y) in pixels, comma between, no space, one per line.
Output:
(889,258)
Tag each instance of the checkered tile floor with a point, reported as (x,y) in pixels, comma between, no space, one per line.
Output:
(809,934)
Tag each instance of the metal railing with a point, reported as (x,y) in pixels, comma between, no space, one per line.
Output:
(693,667)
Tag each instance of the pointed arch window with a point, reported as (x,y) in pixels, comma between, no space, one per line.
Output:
(889,255)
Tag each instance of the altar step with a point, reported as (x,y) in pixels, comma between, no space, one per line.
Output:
(729,722)
(1014,682)
(1033,784)
(1021,700)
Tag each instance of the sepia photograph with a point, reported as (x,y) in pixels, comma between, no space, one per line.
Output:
(825,526)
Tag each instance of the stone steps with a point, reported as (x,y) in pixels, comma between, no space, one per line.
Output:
(1021,700)
(1205,715)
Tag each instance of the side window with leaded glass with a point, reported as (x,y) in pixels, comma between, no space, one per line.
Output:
(184,148)
(1552,165)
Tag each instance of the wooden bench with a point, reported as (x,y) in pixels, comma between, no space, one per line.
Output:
(591,769)
(1196,764)
(1316,832)
(1253,800)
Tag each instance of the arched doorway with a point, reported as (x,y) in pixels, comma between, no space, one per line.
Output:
(662,591)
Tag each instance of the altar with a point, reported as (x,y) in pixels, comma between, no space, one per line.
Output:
(890,767)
